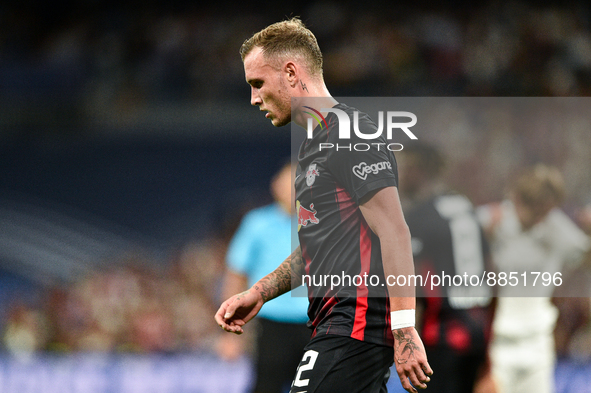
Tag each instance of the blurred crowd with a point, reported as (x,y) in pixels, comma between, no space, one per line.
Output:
(131,306)
(99,58)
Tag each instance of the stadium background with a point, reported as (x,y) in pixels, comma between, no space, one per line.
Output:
(129,151)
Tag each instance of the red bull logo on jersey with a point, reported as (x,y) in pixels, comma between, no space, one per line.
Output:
(306,217)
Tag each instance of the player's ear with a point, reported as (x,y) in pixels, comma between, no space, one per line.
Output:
(291,73)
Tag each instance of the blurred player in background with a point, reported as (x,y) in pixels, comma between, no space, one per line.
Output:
(348,223)
(528,232)
(446,237)
(264,237)
(573,300)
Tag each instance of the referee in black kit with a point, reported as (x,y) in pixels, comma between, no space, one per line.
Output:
(350,223)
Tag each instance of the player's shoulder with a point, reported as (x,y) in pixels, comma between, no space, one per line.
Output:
(260,216)
(357,120)
(266,210)
(439,209)
(362,143)
(565,227)
(452,204)
(352,111)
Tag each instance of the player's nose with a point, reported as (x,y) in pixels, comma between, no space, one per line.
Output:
(255,98)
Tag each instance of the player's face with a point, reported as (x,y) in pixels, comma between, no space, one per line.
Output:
(269,91)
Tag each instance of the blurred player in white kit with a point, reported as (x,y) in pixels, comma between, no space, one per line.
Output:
(529,233)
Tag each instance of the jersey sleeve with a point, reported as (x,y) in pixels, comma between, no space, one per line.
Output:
(370,167)
(242,249)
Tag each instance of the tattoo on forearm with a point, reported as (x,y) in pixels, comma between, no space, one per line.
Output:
(241,295)
(404,347)
(298,267)
(280,281)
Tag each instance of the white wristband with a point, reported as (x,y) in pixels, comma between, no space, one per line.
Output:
(402,318)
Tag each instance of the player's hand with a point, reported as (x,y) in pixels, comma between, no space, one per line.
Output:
(410,359)
(238,310)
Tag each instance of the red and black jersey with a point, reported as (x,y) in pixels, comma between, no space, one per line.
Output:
(335,238)
(448,241)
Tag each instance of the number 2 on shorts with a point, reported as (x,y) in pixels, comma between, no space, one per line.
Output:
(312,355)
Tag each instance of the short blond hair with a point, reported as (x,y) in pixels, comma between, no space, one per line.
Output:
(284,39)
(540,185)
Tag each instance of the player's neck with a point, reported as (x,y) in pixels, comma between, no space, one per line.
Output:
(285,208)
(300,104)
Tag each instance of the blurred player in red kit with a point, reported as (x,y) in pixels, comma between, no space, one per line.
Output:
(447,239)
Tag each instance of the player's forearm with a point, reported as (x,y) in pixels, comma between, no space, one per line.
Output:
(398,262)
(383,213)
(279,281)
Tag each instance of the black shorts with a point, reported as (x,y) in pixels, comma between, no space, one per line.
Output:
(460,370)
(279,350)
(334,363)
